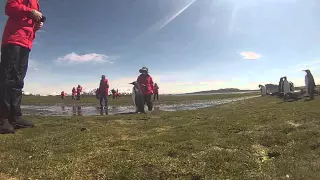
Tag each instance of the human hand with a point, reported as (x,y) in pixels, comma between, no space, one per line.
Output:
(38,25)
(36,15)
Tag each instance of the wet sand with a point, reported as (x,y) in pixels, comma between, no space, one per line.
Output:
(76,110)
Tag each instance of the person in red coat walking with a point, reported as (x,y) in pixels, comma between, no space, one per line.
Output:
(24,20)
(146,84)
(103,93)
(155,92)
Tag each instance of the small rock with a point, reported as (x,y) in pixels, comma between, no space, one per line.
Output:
(84,129)
(287,176)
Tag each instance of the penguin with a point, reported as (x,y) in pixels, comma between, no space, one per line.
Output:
(263,90)
(286,85)
(310,84)
(137,97)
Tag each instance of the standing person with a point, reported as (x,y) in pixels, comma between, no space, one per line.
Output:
(63,95)
(24,20)
(103,93)
(146,84)
(113,94)
(74,93)
(117,94)
(310,84)
(79,90)
(156,92)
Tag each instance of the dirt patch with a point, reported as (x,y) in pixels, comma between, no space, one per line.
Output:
(293,124)
(6,177)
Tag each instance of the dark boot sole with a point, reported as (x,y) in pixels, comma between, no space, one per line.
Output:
(22,126)
(7,132)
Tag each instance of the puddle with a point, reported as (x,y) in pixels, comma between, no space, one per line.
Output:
(59,110)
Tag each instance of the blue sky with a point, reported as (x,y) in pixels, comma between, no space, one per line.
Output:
(188,45)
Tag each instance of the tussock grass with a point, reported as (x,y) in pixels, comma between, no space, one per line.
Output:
(261,138)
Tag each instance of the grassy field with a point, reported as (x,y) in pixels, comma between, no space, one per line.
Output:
(262,138)
(124,100)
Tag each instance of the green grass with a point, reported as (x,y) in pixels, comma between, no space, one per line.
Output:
(232,141)
(124,100)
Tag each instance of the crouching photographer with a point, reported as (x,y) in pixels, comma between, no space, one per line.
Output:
(24,20)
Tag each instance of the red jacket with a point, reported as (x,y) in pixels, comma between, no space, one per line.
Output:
(19,29)
(79,89)
(146,84)
(104,87)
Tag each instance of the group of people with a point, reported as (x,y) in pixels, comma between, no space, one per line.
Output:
(286,88)
(148,88)
(115,93)
(76,93)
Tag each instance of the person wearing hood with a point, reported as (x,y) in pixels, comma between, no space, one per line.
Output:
(146,83)
(263,90)
(103,93)
(310,84)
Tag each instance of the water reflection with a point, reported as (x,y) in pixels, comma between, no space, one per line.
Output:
(94,110)
(76,110)
(103,112)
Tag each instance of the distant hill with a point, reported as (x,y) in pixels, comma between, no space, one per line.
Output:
(227,90)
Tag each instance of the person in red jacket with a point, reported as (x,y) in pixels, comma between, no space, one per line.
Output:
(146,84)
(74,93)
(155,91)
(63,95)
(24,19)
(79,90)
(117,94)
(103,93)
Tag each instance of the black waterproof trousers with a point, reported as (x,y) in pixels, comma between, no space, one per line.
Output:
(156,95)
(13,69)
(147,100)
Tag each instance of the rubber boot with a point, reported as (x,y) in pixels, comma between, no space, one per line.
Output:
(6,127)
(106,109)
(19,122)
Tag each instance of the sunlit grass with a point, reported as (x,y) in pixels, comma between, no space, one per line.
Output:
(261,138)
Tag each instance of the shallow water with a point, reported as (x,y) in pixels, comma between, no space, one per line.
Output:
(91,110)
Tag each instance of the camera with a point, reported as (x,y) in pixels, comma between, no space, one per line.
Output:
(43,19)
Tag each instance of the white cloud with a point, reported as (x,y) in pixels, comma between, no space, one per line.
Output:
(92,57)
(250,55)
(33,65)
